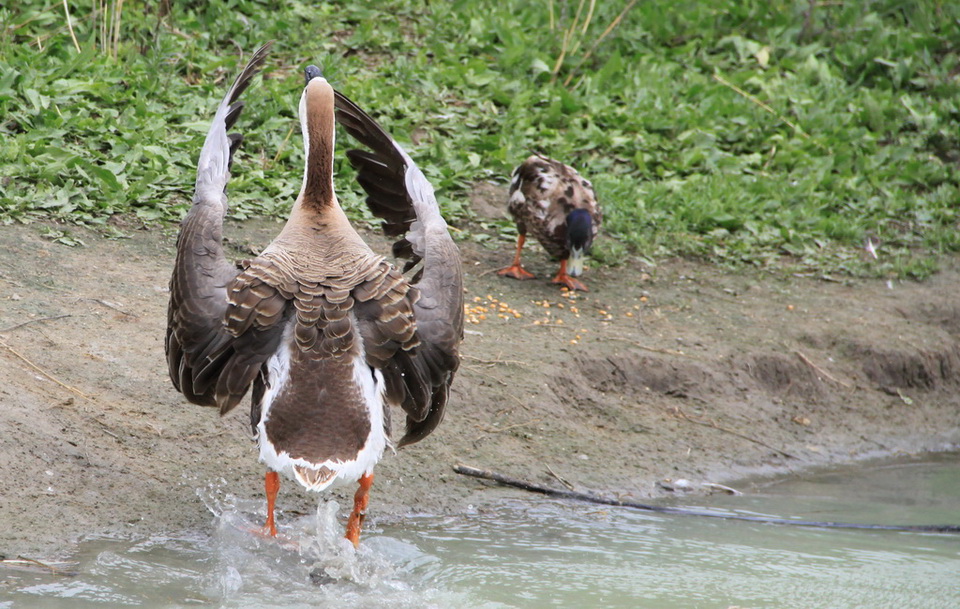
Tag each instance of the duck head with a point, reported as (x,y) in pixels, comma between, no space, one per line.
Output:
(579,239)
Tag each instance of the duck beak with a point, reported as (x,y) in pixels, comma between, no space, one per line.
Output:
(575,262)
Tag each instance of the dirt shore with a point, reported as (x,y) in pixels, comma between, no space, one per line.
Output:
(683,371)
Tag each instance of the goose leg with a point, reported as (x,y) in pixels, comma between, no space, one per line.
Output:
(566,280)
(360,501)
(271,482)
(515,270)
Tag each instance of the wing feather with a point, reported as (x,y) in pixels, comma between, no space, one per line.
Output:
(210,365)
(417,378)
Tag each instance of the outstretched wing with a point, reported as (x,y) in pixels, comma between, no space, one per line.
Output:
(397,191)
(210,366)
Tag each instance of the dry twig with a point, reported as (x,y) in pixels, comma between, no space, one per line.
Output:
(654,349)
(20,561)
(283,145)
(723,81)
(473,472)
(605,33)
(713,424)
(559,479)
(821,371)
(33,321)
(66,11)
(476,370)
(509,427)
(109,305)
(45,373)
(495,361)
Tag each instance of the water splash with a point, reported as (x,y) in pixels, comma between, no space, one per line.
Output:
(309,557)
(534,554)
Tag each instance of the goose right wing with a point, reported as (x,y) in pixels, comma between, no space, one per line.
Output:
(398,192)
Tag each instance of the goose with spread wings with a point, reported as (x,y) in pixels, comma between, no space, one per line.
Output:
(323,333)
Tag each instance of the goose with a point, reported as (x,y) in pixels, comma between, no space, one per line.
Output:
(551,200)
(327,333)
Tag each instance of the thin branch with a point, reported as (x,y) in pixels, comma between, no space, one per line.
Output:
(283,144)
(487,272)
(11,281)
(489,376)
(559,479)
(821,371)
(509,427)
(37,563)
(45,373)
(66,11)
(109,305)
(117,12)
(590,497)
(723,81)
(713,424)
(567,36)
(33,321)
(495,361)
(586,22)
(654,349)
(606,32)
(104,12)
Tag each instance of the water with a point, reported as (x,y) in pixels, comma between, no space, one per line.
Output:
(535,553)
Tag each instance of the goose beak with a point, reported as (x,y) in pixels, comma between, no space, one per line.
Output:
(312,72)
(575,262)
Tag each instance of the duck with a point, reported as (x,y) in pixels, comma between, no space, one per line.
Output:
(555,203)
(324,334)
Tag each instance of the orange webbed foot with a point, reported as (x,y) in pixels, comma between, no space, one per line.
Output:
(516,271)
(271,484)
(571,283)
(360,501)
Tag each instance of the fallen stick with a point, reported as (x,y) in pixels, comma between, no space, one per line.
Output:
(466,470)
(806,360)
(723,81)
(654,349)
(714,425)
(23,561)
(45,373)
(33,321)
(493,362)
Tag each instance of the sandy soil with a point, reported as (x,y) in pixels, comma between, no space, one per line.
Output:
(683,371)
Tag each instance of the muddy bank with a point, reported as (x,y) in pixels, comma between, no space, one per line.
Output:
(684,371)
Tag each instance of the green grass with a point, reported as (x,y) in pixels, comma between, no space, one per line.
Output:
(743,132)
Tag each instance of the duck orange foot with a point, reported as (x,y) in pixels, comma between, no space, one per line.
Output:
(516,271)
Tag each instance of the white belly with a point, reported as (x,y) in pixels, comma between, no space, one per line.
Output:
(371,387)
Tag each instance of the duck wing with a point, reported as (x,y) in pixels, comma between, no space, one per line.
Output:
(207,363)
(417,379)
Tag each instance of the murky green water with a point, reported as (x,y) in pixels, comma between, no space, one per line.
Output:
(537,553)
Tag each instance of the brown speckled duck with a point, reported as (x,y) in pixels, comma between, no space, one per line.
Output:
(327,333)
(559,207)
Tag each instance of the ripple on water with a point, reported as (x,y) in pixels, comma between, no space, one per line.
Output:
(531,553)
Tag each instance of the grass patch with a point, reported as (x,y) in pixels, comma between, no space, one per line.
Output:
(741,132)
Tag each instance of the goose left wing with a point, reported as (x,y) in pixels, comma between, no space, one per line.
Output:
(207,363)
(417,379)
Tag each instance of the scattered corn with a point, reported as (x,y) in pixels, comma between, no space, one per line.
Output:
(477,312)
